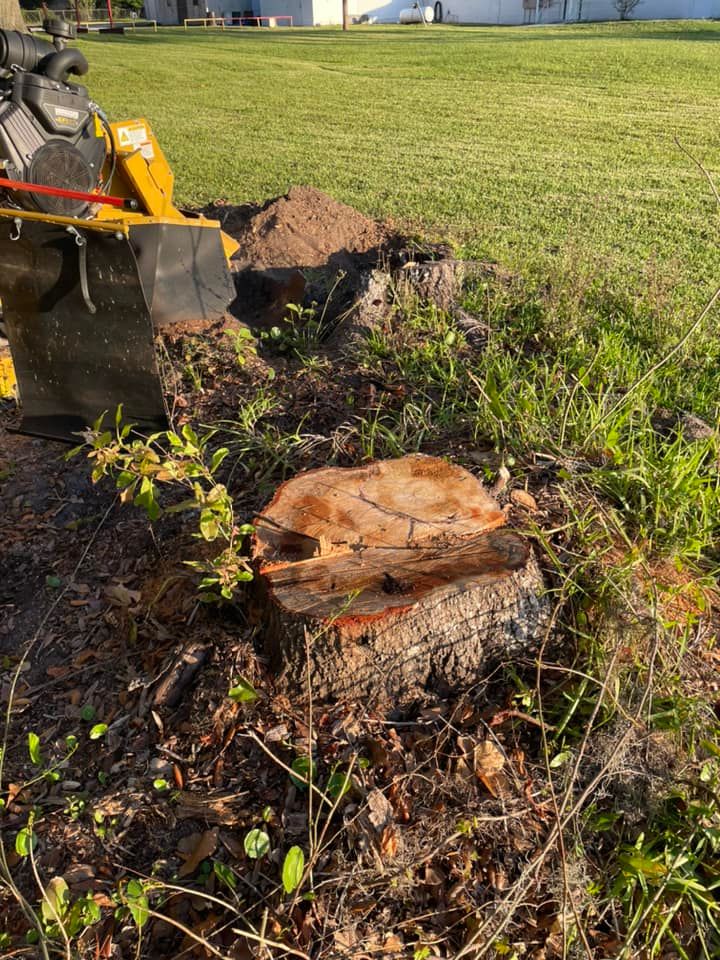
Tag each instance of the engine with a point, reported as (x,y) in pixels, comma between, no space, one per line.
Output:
(51,133)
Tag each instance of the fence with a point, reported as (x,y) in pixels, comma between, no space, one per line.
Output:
(222,23)
(86,13)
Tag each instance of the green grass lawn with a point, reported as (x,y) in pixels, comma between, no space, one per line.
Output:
(517,142)
(551,151)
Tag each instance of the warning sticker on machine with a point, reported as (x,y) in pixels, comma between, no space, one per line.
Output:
(135,137)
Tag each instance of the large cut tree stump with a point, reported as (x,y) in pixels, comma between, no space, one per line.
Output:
(397,579)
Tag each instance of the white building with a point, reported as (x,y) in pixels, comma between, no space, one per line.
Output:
(519,11)
(309,13)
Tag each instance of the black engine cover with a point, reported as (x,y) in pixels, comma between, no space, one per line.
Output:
(48,136)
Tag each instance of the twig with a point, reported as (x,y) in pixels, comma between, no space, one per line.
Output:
(701,168)
(656,366)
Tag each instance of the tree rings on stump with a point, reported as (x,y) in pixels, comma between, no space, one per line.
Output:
(391,582)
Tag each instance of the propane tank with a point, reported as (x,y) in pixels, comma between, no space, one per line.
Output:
(413,14)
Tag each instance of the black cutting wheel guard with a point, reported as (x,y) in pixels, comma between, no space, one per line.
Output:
(71,364)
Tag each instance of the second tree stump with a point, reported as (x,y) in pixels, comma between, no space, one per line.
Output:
(395,579)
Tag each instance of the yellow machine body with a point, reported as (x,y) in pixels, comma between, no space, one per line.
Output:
(83,297)
(142,176)
(7,375)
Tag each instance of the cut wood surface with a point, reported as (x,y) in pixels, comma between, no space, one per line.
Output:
(400,575)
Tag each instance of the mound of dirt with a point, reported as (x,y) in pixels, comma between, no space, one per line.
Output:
(298,249)
(305,228)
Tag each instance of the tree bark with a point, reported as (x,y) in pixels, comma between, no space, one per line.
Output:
(392,583)
(10,16)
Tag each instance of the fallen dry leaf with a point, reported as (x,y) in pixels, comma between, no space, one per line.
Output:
(223,810)
(465,764)
(489,761)
(380,811)
(204,848)
(120,595)
(84,656)
(389,843)
(393,944)
(345,939)
(57,672)
(522,498)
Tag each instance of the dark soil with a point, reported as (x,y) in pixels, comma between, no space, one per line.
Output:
(305,228)
(304,248)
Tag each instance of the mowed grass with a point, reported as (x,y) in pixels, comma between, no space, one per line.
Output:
(519,143)
(550,151)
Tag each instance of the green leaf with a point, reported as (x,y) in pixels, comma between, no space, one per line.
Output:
(34,749)
(304,770)
(209,526)
(338,785)
(161,785)
(146,499)
(25,842)
(124,479)
(217,458)
(496,404)
(98,731)
(71,741)
(87,713)
(137,902)
(90,910)
(52,580)
(257,844)
(224,874)
(83,913)
(56,901)
(292,870)
(191,437)
(243,692)
(560,758)
(635,863)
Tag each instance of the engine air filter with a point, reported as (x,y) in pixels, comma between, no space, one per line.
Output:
(59,164)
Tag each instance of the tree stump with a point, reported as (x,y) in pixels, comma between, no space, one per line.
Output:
(396,580)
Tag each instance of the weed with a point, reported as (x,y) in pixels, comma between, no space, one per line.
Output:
(138,466)
(243,343)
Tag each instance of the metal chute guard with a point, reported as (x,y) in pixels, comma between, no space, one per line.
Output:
(82,303)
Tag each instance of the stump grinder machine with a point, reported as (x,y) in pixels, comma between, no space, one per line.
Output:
(94,256)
